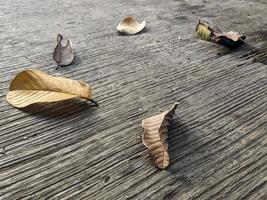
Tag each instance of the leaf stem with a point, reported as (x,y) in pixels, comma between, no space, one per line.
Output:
(93,101)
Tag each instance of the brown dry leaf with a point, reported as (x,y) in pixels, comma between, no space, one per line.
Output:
(130,26)
(232,35)
(63,54)
(155,136)
(33,86)
(230,39)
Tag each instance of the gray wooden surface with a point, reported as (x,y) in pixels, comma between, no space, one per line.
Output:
(218,138)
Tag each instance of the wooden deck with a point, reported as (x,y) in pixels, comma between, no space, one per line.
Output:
(218,138)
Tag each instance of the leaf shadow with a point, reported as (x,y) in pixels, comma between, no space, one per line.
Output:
(179,140)
(60,109)
(180,136)
(246,52)
(75,63)
(145,30)
(77,59)
(242,48)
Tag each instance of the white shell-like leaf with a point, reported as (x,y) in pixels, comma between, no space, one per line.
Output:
(130,26)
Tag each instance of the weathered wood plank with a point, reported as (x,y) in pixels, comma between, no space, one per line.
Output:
(217,139)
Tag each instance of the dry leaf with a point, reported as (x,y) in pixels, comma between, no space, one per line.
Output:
(231,35)
(203,30)
(230,39)
(63,54)
(33,86)
(155,136)
(130,26)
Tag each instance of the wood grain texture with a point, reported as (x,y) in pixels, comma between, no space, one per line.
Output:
(217,139)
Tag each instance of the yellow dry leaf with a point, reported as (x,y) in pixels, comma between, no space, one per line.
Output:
(203,30)
(33,86)
(155,136)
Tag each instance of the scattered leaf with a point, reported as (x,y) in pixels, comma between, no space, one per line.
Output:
(130,26)
(229,39)
(155,136)
(33,86)
(63,54)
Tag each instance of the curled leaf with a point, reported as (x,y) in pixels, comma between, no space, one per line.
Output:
(33,86)
(203,30)
(63,54)
(130,26)
(155,136)
(230,39)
